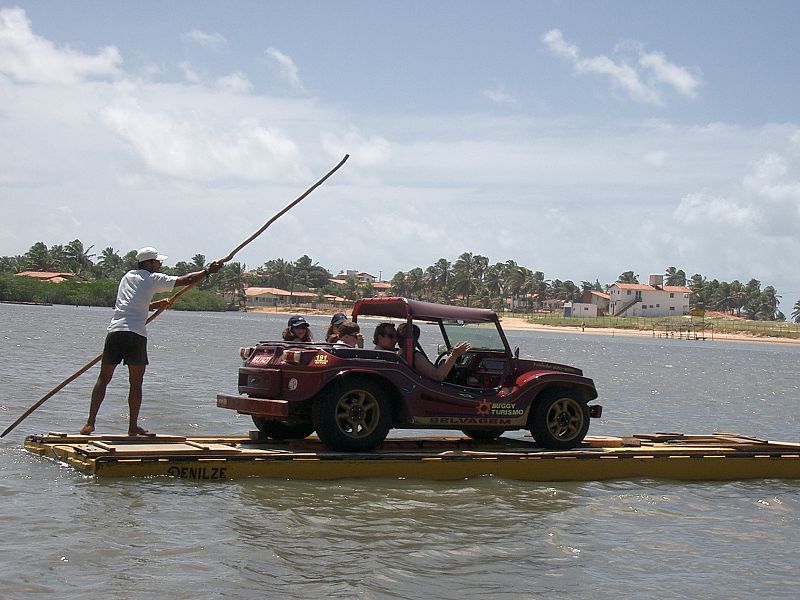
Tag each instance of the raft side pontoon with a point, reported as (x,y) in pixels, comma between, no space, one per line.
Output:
(720,457)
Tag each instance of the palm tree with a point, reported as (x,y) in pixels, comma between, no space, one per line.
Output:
(79,258)
(58,258)
(415,282)
(232,281)
(110,263)
(768,304)
(465,275)
(495,280)
(443,273)
(699,297)
(37,258)
(628,277)
(796,312)
(399,286)
(198,262)
(675,276)
(11,264)
(278,273)
(309,273)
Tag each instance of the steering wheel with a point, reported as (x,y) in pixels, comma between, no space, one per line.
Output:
(441,358)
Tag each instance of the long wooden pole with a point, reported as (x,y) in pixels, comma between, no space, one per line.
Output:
(175,296)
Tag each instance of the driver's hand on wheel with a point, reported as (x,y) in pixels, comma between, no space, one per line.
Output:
(460,349)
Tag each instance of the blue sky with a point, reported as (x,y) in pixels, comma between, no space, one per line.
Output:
(581,139)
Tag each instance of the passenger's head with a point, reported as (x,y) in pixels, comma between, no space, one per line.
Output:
(401,333)
(332,335)
(385,336)
(297,329)
(348,332)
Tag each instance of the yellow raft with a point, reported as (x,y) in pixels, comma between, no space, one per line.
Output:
(664,455)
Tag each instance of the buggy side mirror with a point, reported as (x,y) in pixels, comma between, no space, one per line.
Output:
(516,352)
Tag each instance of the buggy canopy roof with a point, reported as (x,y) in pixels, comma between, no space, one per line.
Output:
(402,308)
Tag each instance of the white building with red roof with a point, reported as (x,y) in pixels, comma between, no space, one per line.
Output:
(648,300)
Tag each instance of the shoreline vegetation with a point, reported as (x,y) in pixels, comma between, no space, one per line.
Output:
(207,297)
(717,329)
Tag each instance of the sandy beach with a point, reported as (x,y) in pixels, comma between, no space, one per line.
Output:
(519,323)
(522,324)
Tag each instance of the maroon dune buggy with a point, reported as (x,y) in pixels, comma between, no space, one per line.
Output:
(352,397)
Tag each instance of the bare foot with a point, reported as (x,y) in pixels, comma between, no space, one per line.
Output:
(87,429)
(139,431)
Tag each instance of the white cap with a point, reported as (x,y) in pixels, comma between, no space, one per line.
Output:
(148,253)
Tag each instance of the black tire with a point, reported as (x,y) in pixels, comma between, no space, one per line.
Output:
(352,415)
(560,419)
(483,434)
(277,430)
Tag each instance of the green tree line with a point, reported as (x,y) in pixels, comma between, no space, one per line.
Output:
(470,280)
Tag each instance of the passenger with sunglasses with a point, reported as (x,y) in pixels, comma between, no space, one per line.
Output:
(384,337)
(350,335)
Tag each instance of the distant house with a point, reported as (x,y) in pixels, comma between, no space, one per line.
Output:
(553,305)
(599,299)
(262,296)
(47,276)
(381,287)
(652,300)
(359,276)
(580,309)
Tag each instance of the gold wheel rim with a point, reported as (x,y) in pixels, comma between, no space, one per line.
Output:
(357,413)
(565,418)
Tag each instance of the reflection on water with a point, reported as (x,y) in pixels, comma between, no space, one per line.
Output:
(66,535)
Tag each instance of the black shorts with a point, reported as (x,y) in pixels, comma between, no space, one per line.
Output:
(125,346)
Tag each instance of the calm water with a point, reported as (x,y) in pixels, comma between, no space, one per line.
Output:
(65,535)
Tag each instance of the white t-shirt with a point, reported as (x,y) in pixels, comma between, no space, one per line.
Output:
(135,292)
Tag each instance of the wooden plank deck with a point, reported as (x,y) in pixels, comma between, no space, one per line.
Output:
(676,456)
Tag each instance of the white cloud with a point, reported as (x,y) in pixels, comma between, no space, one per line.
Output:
(656,159)
(642,81)
(554,40)
(28,58)
(706,210)
(286,67)
(498,95)
(199,146)
(237,83)
(365,151)
(213,41)
(190,74)
(679,78)
(773,187)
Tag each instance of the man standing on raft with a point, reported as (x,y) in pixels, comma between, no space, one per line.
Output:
(127,333)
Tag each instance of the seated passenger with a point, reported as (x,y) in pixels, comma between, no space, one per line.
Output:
(421,364)
(384,337)
(350,335)
(297,330)
(332,335)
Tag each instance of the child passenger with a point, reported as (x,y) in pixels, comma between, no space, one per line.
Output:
(332,334)
(297,330)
